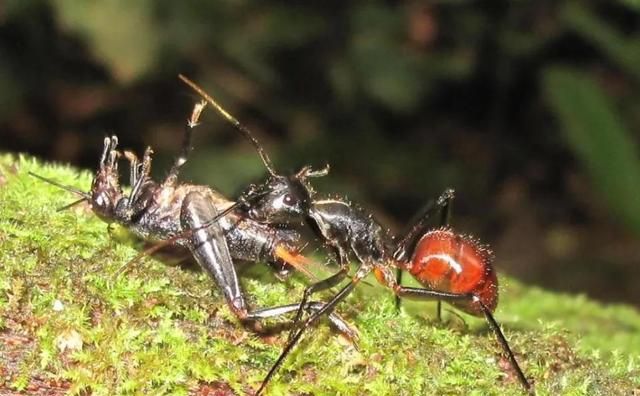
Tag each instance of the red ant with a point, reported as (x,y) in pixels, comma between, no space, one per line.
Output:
(452,267)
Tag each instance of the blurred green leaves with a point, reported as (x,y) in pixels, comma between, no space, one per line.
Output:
(597,135)
(127,42)
(624,52)
(592,122)
(10,91)
(386,71)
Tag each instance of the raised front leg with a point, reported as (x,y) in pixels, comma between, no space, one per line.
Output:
(139,173)
(192,122)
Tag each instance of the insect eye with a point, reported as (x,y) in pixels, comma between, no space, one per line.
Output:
(289,199)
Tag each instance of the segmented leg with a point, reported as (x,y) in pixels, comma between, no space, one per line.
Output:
(142,175)
(209,247)
(192,122)
(428,294)
(327,308)
(310,307)
(134,164)
(324,284)
(405,246)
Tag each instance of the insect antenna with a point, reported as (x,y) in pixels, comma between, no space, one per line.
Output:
(71,205)
(244,130)
(83,195)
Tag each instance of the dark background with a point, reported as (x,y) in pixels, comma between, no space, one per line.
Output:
(529,109)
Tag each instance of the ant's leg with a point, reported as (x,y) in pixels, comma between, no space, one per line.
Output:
(362,272)
(192,122)
(319,286)
(312,306)
(428,294)
(398,301)
(406,244)
(445,218)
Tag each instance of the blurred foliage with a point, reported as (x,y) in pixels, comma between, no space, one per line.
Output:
(105,28)
(624,52)
(595,132)
(507,101)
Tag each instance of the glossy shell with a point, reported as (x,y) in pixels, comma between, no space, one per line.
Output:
(448,262)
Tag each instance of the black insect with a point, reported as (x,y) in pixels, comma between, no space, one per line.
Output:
(194,216)
(452,267)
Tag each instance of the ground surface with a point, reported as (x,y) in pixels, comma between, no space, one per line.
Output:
(68,326)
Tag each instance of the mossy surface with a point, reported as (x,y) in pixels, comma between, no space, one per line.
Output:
(67,325)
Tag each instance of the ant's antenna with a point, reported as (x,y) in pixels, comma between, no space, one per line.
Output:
(263,155)
(83,195)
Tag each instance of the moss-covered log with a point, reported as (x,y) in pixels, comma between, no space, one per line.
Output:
(68,325)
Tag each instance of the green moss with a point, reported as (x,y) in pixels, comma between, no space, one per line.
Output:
(163,329)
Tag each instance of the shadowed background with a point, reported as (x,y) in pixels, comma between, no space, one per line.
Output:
(529,109)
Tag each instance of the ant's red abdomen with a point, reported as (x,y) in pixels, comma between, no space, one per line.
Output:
(450,262)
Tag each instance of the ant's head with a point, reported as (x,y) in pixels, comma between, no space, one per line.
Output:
(283,199)
(105,188)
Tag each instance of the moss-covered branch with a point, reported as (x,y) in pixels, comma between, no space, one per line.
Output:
(67,325)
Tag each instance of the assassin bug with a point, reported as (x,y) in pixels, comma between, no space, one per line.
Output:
(452,267)
(183,213)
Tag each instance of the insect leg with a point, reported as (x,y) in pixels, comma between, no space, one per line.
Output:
(405,245)
(236,124)
(192,122)
(142,174)
(428,294)
(107,162)
(134,167)
(319,286)
(312,306)
(362,272)
(209,247)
